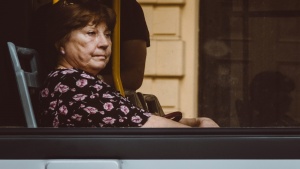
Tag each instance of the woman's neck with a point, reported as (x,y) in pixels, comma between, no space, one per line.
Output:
(63,64)
(60,67)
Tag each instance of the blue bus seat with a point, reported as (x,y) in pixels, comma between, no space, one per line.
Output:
(27,81)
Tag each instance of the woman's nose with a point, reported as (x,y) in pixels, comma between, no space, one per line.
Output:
(103,41)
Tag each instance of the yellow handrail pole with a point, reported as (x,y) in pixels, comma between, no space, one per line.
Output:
(116,49)
(54,1)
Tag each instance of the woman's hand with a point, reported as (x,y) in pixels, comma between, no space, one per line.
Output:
(199,122)
(207,122)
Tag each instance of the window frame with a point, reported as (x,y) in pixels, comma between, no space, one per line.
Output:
(140,143)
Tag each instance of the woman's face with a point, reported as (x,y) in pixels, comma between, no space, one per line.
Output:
(88,48)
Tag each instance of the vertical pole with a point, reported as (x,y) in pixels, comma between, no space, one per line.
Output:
(54,1)
(116,49)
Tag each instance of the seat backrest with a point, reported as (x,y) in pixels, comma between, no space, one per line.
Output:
(27,81)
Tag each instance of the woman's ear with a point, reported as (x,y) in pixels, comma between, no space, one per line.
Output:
(62,50)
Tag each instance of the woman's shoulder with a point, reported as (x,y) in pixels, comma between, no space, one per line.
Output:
(66,76)
(73,79)
(70,73)
(73,76)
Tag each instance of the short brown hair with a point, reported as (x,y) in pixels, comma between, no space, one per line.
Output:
(68,15)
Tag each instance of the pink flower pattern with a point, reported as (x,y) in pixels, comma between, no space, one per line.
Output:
(55,122)
(136,119)
(109,96)
(61,88)
(81,83)
(124,109)
(91,110)
(52,105)
(74,98)
(87,76)
(79,97)
(45,92)
(68,71)
(77,117)
(63,110)
(98,87)
(108,106)
(109,120)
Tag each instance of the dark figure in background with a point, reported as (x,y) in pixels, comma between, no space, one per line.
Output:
(270,100)
(134,42)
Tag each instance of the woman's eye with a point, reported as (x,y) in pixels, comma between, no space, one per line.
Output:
(108,34)
(91,33)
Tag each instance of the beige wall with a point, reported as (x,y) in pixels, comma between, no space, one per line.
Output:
(172,60)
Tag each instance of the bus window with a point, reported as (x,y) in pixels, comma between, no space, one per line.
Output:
(248,59)
(249,62)
(248,68)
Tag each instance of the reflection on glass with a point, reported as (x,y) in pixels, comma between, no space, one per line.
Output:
(244,43)
(270,101)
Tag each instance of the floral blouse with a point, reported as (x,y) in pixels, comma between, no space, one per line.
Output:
(74,98)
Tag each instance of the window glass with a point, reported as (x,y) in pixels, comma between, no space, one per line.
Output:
(249,62)
(249,66)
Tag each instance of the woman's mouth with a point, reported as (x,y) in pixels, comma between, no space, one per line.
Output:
(100,56)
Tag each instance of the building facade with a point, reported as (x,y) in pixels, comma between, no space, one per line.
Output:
(172,60)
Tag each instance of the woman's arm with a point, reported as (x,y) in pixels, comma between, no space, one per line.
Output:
(157,121)
(199,122)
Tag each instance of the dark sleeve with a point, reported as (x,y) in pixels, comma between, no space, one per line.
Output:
(133,27)
(133,23)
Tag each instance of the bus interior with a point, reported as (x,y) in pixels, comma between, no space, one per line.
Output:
(248,64)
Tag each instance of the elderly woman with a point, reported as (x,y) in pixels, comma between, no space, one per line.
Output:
(72,95)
